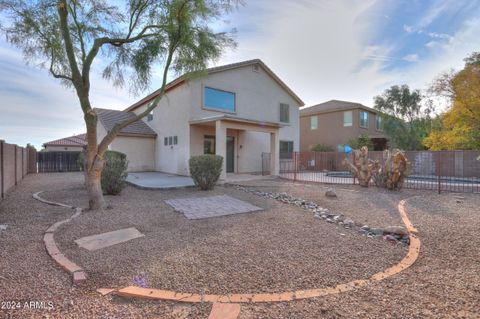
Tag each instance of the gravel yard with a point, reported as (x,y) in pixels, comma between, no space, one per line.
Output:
(280,248)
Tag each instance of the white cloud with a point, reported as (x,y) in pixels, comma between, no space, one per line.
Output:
(411,58)
(408,28)
(317,47)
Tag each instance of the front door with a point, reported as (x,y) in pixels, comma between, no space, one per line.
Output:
(230,154)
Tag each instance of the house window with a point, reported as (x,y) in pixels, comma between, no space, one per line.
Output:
(219,100)
(284,113)
(313,122)
(209,145)
(379,122)
(175,140)
(364,119)
(347,118)
(150,116)
(286,149)
(165,141)
(170,140)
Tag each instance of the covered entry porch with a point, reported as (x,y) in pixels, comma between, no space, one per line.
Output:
(239,141)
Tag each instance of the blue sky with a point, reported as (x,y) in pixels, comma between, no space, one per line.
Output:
(323,49)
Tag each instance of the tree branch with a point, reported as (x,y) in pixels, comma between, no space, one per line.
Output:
(79,29)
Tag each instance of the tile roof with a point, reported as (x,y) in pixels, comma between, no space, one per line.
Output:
(181,79)
(109,118)
(334,106)
(74,140)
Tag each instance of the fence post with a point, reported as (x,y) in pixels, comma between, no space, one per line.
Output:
(294,166)
(2,170)
(353,161)
(439,172)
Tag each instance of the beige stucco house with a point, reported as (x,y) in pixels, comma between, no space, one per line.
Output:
(237,111)
(336,122)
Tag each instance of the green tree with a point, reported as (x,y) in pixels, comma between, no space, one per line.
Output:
(67,36)
(459,126)
(361,141)
(404,121)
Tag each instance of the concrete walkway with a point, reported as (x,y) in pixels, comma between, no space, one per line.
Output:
(158,180)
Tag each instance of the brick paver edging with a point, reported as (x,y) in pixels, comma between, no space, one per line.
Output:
(77,273)
(407,261)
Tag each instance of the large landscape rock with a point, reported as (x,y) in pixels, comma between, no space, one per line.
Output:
(331,193)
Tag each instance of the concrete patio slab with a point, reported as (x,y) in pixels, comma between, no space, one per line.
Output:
(211,206)
(158,180)
(99,241)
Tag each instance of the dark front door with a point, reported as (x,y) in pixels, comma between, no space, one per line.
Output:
(230,154)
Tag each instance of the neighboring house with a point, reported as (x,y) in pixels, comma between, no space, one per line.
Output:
(335,122)
(237,111)
(73,143)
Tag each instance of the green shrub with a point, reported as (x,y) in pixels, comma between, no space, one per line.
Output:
(205,170)
(322,148)
(359,142)
(114,172)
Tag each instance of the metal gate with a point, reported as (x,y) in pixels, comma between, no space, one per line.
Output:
(58,162)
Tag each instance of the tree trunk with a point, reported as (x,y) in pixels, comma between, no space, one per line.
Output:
(94,187)
(94,164)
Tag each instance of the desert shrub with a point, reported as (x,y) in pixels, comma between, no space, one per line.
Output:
(359,142)
(114,172)
(322,148)
(205,170)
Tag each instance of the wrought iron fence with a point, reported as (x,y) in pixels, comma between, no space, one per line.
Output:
(58,162)
(453,171)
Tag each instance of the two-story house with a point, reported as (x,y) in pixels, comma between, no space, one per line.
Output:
(336,122)
(237,111)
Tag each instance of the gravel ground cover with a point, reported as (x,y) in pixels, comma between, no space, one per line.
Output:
(444,283)
(28,274)
(278,249)
(373,206)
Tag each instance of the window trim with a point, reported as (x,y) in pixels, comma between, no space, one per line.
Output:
(360,119)
(316,122)
(280,113)
(209,108)
(351,118)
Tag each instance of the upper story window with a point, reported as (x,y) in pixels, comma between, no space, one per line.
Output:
(219,100)
(284,113)
(347,118)
(313,122)
(150,116)
(379,122)
(364,119)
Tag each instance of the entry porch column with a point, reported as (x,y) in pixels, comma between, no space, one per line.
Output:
(221,145)
(274,153)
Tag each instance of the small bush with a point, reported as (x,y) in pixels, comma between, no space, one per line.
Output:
(322,148)
(114,172)
(205,170)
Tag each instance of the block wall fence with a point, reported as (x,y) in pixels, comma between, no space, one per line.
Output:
(15,163)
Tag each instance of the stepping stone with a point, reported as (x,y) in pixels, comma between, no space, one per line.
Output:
(211,206)
(224,311)
(3,227)
(99,241)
